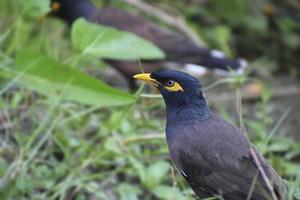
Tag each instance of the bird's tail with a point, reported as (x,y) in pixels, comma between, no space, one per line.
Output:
(219,63)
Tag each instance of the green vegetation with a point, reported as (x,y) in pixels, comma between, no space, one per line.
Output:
(67,135)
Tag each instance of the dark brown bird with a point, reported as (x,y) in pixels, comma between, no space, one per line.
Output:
(212,154)
(178,48)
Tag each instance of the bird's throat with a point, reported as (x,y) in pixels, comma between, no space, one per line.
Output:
(185,113)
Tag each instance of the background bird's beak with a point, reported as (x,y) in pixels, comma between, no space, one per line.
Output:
(146,77)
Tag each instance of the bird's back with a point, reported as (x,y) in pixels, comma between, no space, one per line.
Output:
(215,158)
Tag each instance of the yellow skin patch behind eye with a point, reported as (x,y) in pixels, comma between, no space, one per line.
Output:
(55,6)
(146,77)
(175,88)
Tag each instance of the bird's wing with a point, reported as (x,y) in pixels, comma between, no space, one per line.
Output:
(278,184)
(228,181)
(219,160)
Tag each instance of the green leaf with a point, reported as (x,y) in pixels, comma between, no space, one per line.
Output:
(220,37)
(233,11)
(139,168)
(223,34)
(93,188)
(80,196)
(297,194)
(155,173)
(52,78)
(167,192)
(106,42)
(111,145)
(278,147)
(128,192)
(3,167)
(256,23)
(35,8)
(290,168)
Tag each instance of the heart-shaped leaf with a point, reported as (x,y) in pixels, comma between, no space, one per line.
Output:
(106,42)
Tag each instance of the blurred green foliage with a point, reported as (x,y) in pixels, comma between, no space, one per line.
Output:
(49,76)
(54,148)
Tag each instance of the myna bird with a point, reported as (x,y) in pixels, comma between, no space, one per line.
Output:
(212,154)
(178,48)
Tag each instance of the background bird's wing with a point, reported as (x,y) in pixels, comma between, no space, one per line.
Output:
(177,47)
(172,42)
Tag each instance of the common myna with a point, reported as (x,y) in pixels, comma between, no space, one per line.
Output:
(178,48)
(213,155)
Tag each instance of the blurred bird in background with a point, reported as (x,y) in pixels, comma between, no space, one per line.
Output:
(180,50)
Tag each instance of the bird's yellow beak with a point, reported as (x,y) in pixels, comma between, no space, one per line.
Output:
(146,77)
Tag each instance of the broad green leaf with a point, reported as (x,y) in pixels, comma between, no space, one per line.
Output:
(128,192)
(52,78)
(167,192)
(139,168)
(155,173)
(278,147)
(35,8)
(106,42)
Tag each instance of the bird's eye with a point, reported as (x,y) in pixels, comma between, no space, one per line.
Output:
(169,83)
(172,86)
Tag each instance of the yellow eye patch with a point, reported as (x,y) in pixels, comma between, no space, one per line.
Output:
(55,6)
(170,85)
(175,87)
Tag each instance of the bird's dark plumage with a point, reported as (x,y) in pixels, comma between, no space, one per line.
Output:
(177,47)
(212,154)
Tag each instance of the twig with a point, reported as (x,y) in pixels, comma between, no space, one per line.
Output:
(119,141)
(286,91)
(143,138)
(173,176)
(263,174)
(154,96)
(12,171)
(252,185)
(239,109)
(175,21)
(280,121)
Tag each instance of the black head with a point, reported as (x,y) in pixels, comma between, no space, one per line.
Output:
(70,10)
(181,92)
